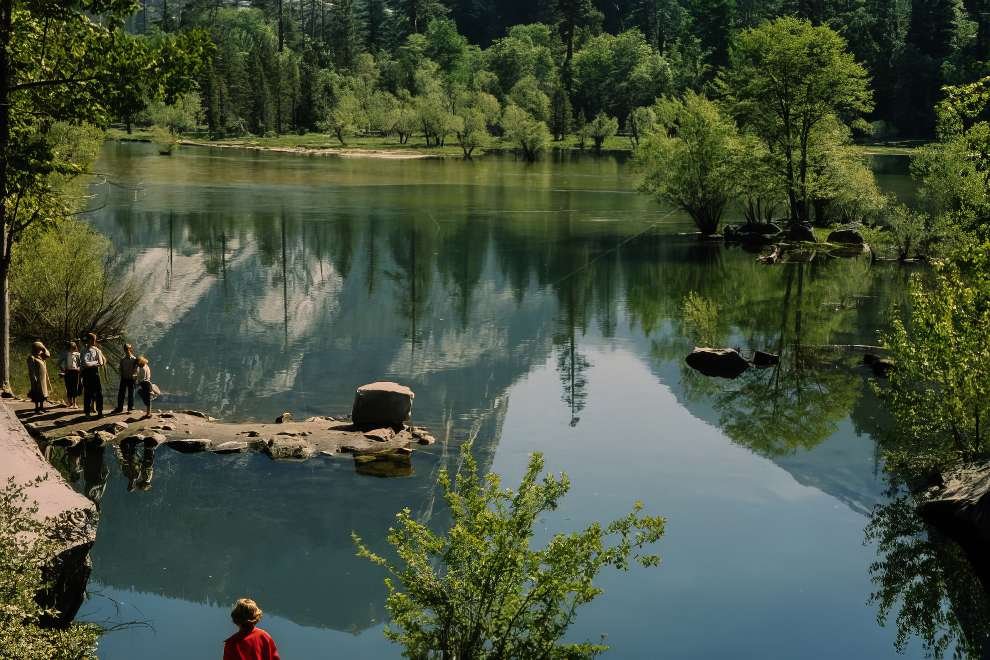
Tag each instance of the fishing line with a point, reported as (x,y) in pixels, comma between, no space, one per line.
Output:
(653,225)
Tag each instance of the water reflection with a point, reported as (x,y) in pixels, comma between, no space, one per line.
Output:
(279,284)
(927,585)
(138,467)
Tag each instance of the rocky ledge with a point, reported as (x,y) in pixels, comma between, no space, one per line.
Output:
(960,506)
(381,411)
(68,517)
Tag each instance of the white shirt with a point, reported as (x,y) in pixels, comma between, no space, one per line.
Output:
(70,361)
(93,357)
(143,374)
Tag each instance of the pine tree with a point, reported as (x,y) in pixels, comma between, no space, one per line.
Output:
(375,19)
(345,31)
(416,14)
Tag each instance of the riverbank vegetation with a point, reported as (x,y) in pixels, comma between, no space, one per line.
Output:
(25,547)
(480,590)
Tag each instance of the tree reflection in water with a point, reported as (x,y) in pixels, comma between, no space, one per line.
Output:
(925,578)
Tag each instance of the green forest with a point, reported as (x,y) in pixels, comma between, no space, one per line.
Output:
(395,66)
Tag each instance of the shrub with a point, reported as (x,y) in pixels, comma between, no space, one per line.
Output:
(480,591)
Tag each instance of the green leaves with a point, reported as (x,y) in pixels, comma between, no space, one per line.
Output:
(24,549)
(785,78)
(688,160)
(480,590)
(939,392)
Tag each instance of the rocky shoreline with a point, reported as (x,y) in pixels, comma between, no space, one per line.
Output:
(190,431)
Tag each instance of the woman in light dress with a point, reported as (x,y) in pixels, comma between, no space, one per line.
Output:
(38,375)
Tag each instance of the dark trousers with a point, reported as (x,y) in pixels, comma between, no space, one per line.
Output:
(92,390)
(126,385)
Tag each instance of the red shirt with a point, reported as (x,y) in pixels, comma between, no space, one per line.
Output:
(250,644)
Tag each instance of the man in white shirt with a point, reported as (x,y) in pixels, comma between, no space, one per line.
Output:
(92,360)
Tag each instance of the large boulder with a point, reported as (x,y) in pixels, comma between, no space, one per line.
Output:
(960,507)
(802,233)
(846,237)
(962,502)
(718,362)
(381,405)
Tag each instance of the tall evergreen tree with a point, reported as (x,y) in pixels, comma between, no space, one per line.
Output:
(375,19)
(416,14)
(931,40)
(345,33)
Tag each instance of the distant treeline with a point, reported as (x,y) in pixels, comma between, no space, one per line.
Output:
(282,65)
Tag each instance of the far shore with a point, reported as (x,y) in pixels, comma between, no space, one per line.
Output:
(319,144)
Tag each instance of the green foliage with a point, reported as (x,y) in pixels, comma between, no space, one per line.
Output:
(343,118)
(25,547)
(481,590)
(182,115)
(601,128)
(701,320)
(784,80)
(690,162)
(614,74)
(641,121)
(939,392)
(63,285)
(927,579)
(527,95)
(761,192)
(471,131)
(525,131)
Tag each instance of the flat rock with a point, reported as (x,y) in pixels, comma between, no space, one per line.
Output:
(289,449)
(100,438)
(717,362)
(231,447)
(380,435)
(378,405)
(188,445)
(196,413)
(67,441)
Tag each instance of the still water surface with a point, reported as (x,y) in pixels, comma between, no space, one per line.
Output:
(530,308)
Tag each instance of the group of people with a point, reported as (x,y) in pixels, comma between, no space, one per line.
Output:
(80,371)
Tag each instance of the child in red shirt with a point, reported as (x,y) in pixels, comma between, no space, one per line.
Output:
(249,643)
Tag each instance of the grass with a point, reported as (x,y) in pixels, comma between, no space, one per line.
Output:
(322,141)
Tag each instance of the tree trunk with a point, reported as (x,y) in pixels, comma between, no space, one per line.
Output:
(6,80)
(5,327)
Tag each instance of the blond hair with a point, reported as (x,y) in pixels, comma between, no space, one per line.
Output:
(246,612)
(142,361)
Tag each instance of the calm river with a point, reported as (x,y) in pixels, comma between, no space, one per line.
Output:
(530,308)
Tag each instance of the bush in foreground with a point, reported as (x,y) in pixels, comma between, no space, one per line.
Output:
(480,590)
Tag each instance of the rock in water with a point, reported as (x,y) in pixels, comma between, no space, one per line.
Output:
(188,445)
(718,362)
(802,233)
(763,359)
(846,237)
(289,449)
(380,405)
(960,507)
(284,418)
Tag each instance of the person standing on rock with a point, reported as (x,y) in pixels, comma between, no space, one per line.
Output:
(142,374)
(38,375)
(69,365)
(250,642)
(128,365)
(92,360)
